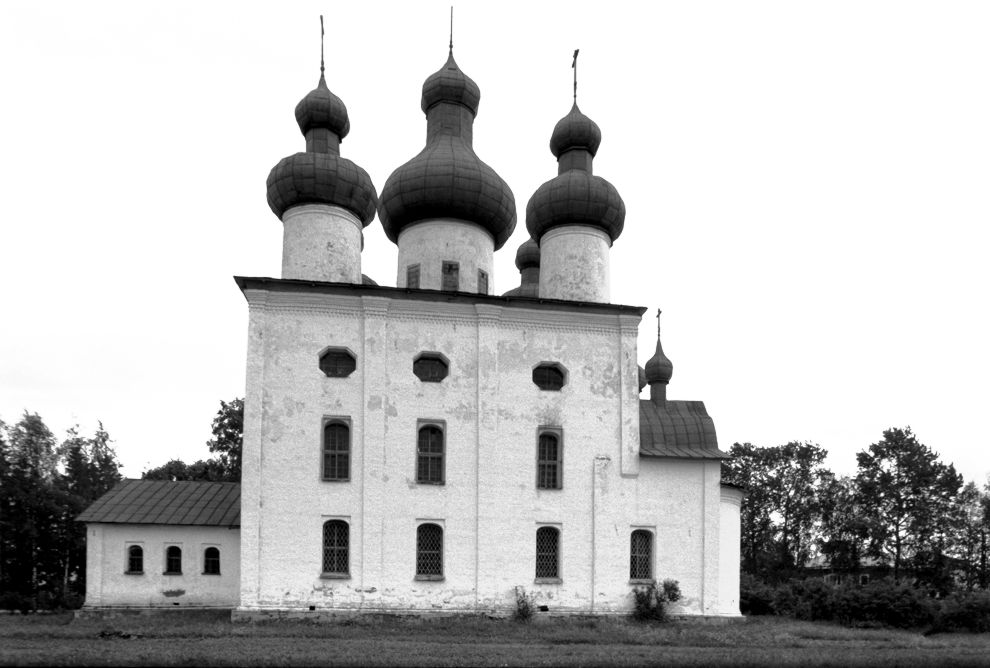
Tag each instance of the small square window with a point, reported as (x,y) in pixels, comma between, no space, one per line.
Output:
(450,278)
(482,282)
(412,276)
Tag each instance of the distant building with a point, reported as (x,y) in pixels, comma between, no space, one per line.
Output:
(434,446)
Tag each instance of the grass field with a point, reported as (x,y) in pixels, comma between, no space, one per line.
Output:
(209,639)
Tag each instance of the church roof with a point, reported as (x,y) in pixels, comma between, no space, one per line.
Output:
(166,502)
(678,429)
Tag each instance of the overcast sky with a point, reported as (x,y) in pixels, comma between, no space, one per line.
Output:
(806,187)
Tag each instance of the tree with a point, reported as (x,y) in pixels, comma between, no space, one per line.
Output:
(782,506)
(970,535)
(844,530)
(907,494)
(228,438)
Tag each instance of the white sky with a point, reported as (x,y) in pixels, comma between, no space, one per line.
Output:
(806,187)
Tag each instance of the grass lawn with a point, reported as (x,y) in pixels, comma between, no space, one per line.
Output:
(210,639)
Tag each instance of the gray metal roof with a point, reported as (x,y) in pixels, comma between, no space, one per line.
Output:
(166,502)
(679,429)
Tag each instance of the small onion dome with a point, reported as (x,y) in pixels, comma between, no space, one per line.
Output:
(320,175)
(575,130)
(528,255)
(642,379)
(322,109)
(367,280)
(659,369)
(575,196)
(450,84)
(447,179)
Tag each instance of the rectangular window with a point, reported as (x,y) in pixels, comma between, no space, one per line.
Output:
(135,560)
(550,459)
(336,548)
(548,554)
(641,555)
(450,280)
(337,449)
(482,282)
(429,552)
(173,560)
(412,276)
(430,453)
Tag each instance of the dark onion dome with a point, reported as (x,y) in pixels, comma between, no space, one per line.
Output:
(528,255)
(447,179)
(642,379)
(659,369)
(320,175)
(575,196)
(367,280)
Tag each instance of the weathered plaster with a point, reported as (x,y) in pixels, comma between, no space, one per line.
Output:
(321,242)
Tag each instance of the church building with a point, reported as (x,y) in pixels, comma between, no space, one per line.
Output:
(437,446)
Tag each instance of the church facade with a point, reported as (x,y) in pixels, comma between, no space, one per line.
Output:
(437,447)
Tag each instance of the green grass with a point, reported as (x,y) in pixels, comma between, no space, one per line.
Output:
(383,640)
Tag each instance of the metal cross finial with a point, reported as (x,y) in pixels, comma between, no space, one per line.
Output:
(574,67)
(321,45)
(658,322)
(451,29)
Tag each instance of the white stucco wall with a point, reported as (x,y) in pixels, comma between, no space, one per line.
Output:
(574,264)
(489,506)
(430,243)
(729,551)
(109,585)
(321,242)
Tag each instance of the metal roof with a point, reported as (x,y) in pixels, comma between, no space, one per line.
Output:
(166,502)
(678,429)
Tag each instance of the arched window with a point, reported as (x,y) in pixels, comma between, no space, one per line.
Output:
(336,548)
(429,455)
(641,555)
(336,451)
(547,553)
(173,560)
(135,559)
(549,460)
(429,552)
(211,561)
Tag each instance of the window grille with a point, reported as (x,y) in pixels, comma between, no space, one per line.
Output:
(429,550)
(548,377)
(412,276)
(337,363)
(641,555)
(336,547)
(135,559)
(336,451)
(547,552)
(430,367)
(483,281)
(548,462)
(429,455)
(173,560)
(211,561)
(451,277)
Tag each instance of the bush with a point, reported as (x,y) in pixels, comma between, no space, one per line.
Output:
(755,596)
(15,601)
(650,602)
(964,612)
(524,606)
(810,599)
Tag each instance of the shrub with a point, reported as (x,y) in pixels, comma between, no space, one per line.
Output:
(650,602)
(524,606)
(964,612)
(810,599)
(755,596)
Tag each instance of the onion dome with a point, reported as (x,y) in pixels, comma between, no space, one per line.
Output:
(367,280)
(575,196)
(642,379)
(320,175)
(528,255)
(447,179)
(659,368)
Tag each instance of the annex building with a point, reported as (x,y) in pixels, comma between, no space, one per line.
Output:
(436,446)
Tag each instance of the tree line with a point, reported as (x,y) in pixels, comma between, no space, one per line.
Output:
(904,513)
(45,483)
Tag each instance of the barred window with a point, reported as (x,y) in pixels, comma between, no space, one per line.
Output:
(641,555)
(429,552)
(211,561)
(336,547)
(547,553)
(412,276)
(429,455)
(135,559)
(336,451)
(450,278)
(173,560)
(549,459)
